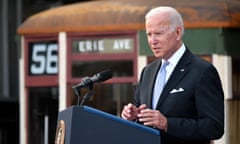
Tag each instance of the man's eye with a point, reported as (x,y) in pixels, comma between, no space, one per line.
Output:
(148,34)
(159,33)
(154,34)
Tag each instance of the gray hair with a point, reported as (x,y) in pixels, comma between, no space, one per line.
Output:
(175,17)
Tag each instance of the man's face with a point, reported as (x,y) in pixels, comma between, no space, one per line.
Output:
(162,40)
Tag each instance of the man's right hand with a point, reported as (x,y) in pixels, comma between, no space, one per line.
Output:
(130,111)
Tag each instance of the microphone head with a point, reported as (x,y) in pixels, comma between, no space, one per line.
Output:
(104,75)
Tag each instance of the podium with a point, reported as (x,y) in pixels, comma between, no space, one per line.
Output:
(86,125)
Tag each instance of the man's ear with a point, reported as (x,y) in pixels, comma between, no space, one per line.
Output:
(179,32)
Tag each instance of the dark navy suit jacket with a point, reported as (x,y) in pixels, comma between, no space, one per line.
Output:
(192,100)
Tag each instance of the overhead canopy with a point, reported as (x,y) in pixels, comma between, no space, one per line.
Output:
(118,15)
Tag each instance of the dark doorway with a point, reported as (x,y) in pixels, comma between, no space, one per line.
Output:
(43,111)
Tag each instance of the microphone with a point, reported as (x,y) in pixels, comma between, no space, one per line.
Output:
(99,77)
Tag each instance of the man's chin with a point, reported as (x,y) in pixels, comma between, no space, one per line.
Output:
(158,55)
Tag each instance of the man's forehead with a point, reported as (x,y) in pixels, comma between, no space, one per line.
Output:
(158,22)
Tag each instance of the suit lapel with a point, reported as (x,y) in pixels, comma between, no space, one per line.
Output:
(178,73)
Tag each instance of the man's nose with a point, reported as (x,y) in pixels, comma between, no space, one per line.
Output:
(153,40)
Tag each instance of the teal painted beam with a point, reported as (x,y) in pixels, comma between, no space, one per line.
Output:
(232,41)
(202,41)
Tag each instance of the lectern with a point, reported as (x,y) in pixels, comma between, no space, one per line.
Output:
(86,125)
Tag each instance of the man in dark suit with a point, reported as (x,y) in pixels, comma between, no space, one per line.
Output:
(190,107)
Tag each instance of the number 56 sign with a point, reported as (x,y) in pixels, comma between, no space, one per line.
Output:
(43,58)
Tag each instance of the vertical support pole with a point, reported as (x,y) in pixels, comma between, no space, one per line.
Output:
(46,125)
(223,65)
(142,62)
(5,49)
(22,97)
(62,76)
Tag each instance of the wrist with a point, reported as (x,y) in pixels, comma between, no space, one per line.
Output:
(166,126)
(165,129)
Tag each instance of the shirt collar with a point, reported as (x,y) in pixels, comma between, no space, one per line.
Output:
(173,60)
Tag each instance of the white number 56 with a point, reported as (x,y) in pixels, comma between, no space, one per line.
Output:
(44,59)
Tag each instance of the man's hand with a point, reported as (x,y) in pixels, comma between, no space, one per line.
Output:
(153,118)
(130,111)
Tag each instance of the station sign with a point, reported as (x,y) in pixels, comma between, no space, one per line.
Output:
(43,55)
(43,58)
(103,45)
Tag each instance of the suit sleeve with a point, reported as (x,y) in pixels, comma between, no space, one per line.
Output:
(137,91)
(209,102)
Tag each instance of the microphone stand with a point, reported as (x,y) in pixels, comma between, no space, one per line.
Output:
(86,96)
(77,93)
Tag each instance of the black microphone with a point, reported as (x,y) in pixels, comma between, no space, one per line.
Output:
(99,77)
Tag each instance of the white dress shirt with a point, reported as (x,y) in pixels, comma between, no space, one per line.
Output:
(173,60)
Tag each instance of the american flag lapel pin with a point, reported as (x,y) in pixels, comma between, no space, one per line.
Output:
(181,70)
